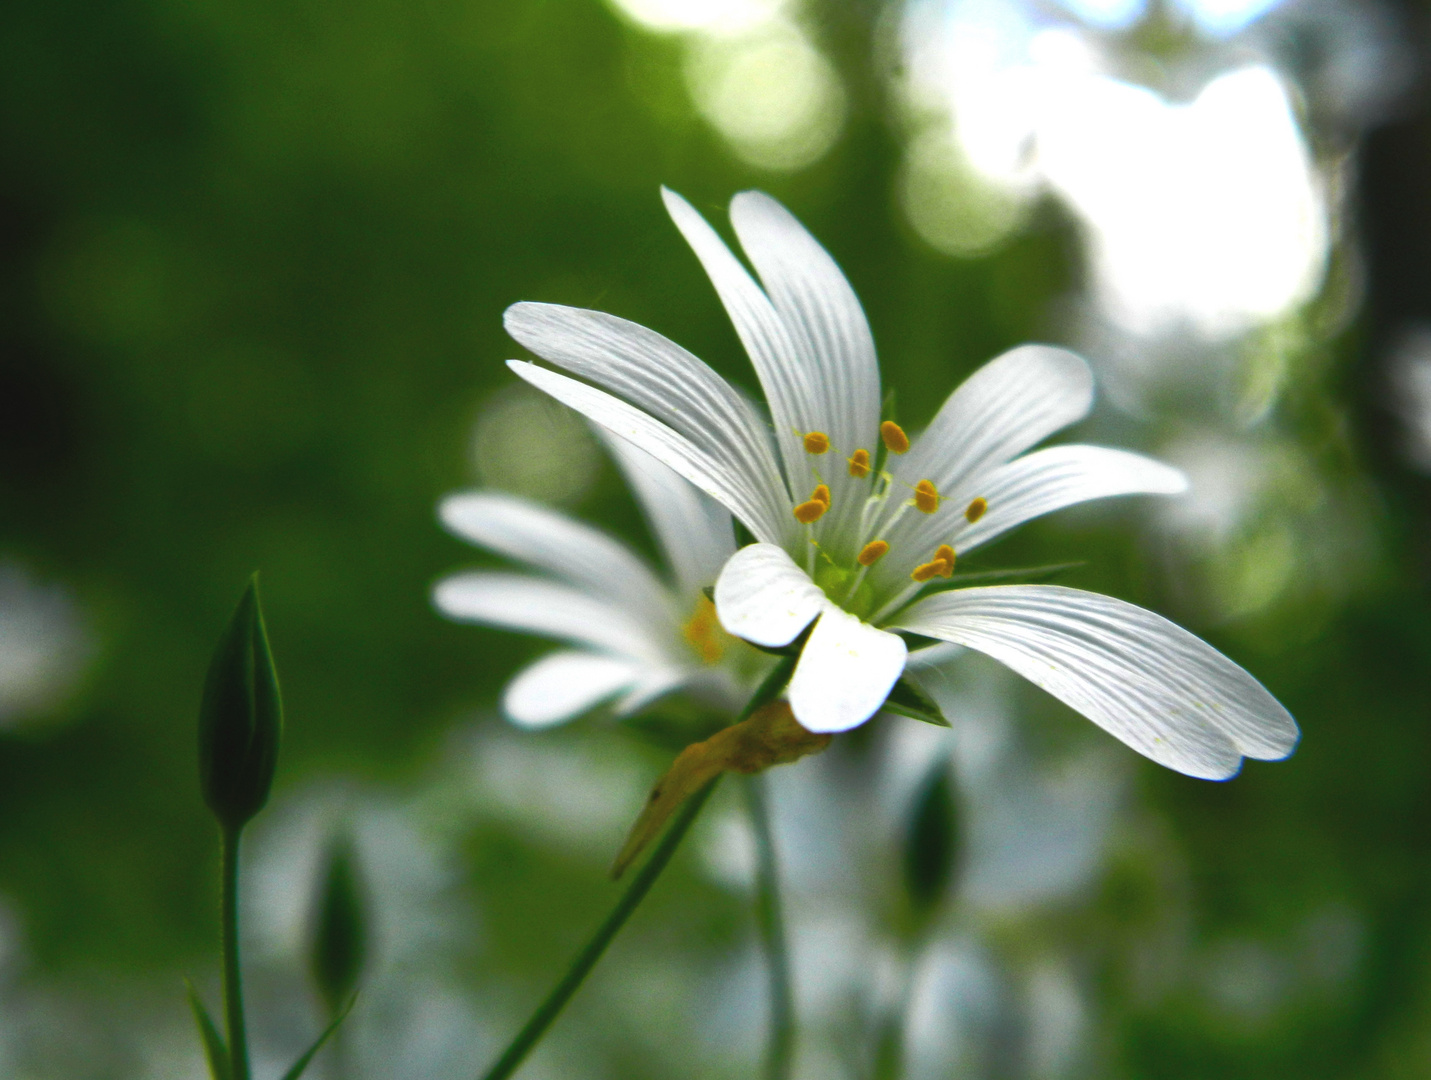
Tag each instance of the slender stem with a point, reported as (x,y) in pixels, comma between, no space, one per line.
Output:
(548,1010)
(780,1050)
(233,975)
(536,1027)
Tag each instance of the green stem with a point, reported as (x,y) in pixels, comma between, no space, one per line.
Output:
(780,1049)
(551,1007)
(233,975)
(536,1027)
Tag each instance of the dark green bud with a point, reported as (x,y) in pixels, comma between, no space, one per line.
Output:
(240,719)
(339,935)
(931,845)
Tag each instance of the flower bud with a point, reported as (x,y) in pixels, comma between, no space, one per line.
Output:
(240,718)
(338,943)
(931,846)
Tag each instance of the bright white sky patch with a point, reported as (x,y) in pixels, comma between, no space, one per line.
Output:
(717,16)
(1207,211)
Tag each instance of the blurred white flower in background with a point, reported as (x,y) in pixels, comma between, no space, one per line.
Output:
(43,645)
(754,74)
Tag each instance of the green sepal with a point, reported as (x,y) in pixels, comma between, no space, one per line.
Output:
(214,1048)
(302,1063)
(906,699)
(240,718)
(1022,575)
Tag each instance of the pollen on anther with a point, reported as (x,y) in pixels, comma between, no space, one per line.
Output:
(925,571)
(975,510)
(810,511)
(895,440)
(821,494)
(926,497)
(816,442)
(944,555)
(872,552)
(860,463)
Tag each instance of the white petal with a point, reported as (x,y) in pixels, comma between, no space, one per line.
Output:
(818,306)
(532,534)
(661,379)
(762,596)
(653,684)
(564,685)
(781,362)
(1057,477)
(731,486)
(548,608)
(1021,490)
(1011,403)
(694,531)
(846,670)
(1164,692)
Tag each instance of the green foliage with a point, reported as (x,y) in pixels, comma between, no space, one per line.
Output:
(240,718)
(215,1052)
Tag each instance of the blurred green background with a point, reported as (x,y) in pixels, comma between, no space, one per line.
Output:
(253,260)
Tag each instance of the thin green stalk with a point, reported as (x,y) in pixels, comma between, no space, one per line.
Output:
(233,975)
(780,1048)
(536,1027)
(548,1010)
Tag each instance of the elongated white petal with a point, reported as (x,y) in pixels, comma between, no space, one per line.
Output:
(694,531)
(846,670)
(564,685)
(661,379)
(729,485)
(1164,692)
(652,684)
(817,304)
(547,608)
(1021,490)
(1011,403)
(1056,477)
(532,534)
(762,596)
(781,362)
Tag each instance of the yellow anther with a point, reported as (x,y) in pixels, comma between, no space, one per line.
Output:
(925,571)
(809,511)
(822,494)
(860,463)
(895,440)
(704,634)
(816,442)
(926,497)
(945,554)
(872,552)
(975,510)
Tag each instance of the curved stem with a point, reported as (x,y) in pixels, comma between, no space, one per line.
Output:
(780,1049)
(233,974)
(547,1011)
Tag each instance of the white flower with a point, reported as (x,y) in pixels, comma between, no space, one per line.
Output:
(638,637)
(859,550)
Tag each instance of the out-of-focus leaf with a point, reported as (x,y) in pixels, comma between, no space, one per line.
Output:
(302,1063)
(214,1049)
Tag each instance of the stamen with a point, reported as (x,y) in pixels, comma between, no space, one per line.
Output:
(895,440)
(926,497)
(810,511)
(860,463)
(822,494)
(703,632)
(975,510)
(945,554)
(925,571)
(816,442)
(872,553)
